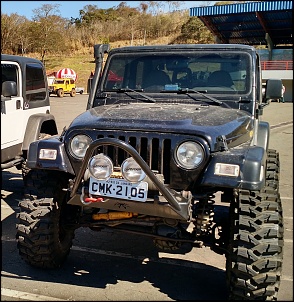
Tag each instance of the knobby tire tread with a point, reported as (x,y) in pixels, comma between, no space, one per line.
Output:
(42,239)
(254,261)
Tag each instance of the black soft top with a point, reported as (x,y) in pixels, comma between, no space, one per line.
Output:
(19,59)
(184,47)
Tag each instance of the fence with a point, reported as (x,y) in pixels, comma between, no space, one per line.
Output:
(277,65)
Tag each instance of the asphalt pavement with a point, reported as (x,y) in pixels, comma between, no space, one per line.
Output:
(113,266)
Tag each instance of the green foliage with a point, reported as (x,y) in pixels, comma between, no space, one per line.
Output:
(12,28)
(58,41)
(49,33)
(194,31)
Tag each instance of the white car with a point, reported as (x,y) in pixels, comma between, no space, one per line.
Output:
(80,90)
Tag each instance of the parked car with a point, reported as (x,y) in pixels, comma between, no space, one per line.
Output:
(80,90)
(60,87)
(24,99)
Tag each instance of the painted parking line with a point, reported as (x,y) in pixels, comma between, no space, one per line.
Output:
(145,260)
(33,297)
(6,292)
(281,125)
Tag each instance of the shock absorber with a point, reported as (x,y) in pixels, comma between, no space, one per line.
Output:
(203,212)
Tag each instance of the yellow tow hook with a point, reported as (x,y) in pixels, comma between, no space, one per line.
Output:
(114,215)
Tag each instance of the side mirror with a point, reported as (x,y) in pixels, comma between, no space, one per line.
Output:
(273,89)
(9,89)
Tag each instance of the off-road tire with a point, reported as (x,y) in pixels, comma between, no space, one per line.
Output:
(273,171)
(73,93)
(25,171)
(43,240)
(60,93)
(254,260)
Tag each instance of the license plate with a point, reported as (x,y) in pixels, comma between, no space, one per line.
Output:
(119,188)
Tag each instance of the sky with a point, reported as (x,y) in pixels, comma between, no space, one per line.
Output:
(70,9)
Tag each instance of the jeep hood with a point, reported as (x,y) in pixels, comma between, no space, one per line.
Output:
(191,119)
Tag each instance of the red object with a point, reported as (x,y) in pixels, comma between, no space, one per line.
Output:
(276,65)
(66,73)
(91,199)
(114,77)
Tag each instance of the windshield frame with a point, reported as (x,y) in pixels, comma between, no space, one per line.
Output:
(219,58)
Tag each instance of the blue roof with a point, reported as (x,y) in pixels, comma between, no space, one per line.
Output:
(248,23)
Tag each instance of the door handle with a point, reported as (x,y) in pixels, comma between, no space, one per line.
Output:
(18,104)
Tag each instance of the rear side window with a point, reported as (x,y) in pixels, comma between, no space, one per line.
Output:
(35,82)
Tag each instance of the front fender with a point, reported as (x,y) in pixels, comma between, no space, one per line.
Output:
(252,163)
(36,124)
(61,162)
(263,135)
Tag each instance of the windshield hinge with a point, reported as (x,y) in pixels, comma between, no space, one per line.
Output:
(259,110)
(221,142)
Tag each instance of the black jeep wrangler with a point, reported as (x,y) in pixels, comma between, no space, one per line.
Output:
(166,129)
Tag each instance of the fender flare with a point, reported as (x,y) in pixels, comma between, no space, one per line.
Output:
(38,123)
(263,135)
(60,163)
(252,161)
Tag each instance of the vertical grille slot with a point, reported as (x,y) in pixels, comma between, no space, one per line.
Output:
(144,148)
(101,149)
(133,141)
(111,150)
(155,155)
(166,153)
(121,154)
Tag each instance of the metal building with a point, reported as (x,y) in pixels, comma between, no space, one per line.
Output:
(267,25)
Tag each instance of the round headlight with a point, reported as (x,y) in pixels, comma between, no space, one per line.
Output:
(79,145)
(189,155)
(131,171)
(100,167)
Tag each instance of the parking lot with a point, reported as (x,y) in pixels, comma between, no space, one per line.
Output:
(115,266)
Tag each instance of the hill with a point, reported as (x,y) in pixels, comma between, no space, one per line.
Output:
(82,61)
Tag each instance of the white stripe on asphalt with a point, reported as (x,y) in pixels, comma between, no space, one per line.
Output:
(26,296)
(286,278)
(144,259)
(287,198)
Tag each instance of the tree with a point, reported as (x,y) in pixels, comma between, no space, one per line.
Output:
(174,5)
(11,32)
(45,11)
(129,16)
(47,30)
(25,42)
(194,31)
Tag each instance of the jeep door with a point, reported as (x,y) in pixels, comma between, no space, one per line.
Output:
(11,107)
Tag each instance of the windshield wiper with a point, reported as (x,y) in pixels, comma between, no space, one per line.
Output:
(188,91)
(126,90)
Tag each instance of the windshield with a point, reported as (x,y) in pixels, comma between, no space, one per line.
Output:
(212,72)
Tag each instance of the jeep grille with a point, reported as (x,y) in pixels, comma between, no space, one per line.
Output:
(155,149)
